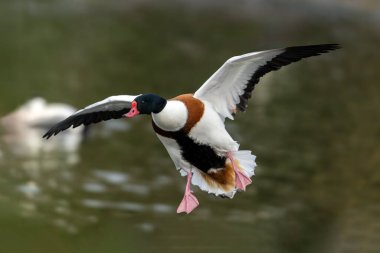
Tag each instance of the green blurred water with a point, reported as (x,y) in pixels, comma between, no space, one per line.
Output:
(314,127)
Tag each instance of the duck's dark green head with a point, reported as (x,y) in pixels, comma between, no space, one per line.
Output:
(147,104)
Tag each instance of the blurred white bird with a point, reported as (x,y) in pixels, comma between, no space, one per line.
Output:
(23,127)
(36,113)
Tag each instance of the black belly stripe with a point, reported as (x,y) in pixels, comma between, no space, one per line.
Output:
(201,156)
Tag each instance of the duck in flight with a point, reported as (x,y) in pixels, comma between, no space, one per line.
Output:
(191,126)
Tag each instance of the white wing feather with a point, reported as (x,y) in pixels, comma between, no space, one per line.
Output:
(225,86)
(113,103)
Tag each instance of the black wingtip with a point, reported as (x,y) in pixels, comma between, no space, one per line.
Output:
(288,55)
(317,49)
(329,47)
(334,46)
(47,135)
(50,133)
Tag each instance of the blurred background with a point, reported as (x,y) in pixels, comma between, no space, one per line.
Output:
(314,126)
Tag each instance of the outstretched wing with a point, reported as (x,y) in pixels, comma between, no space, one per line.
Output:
(110,108)
(230,87)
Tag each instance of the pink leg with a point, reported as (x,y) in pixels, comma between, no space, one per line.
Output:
(189,201)
(241,180)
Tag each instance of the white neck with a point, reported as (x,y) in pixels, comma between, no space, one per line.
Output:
(173,117)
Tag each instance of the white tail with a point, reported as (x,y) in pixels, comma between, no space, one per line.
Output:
(246,161)
(247,164)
